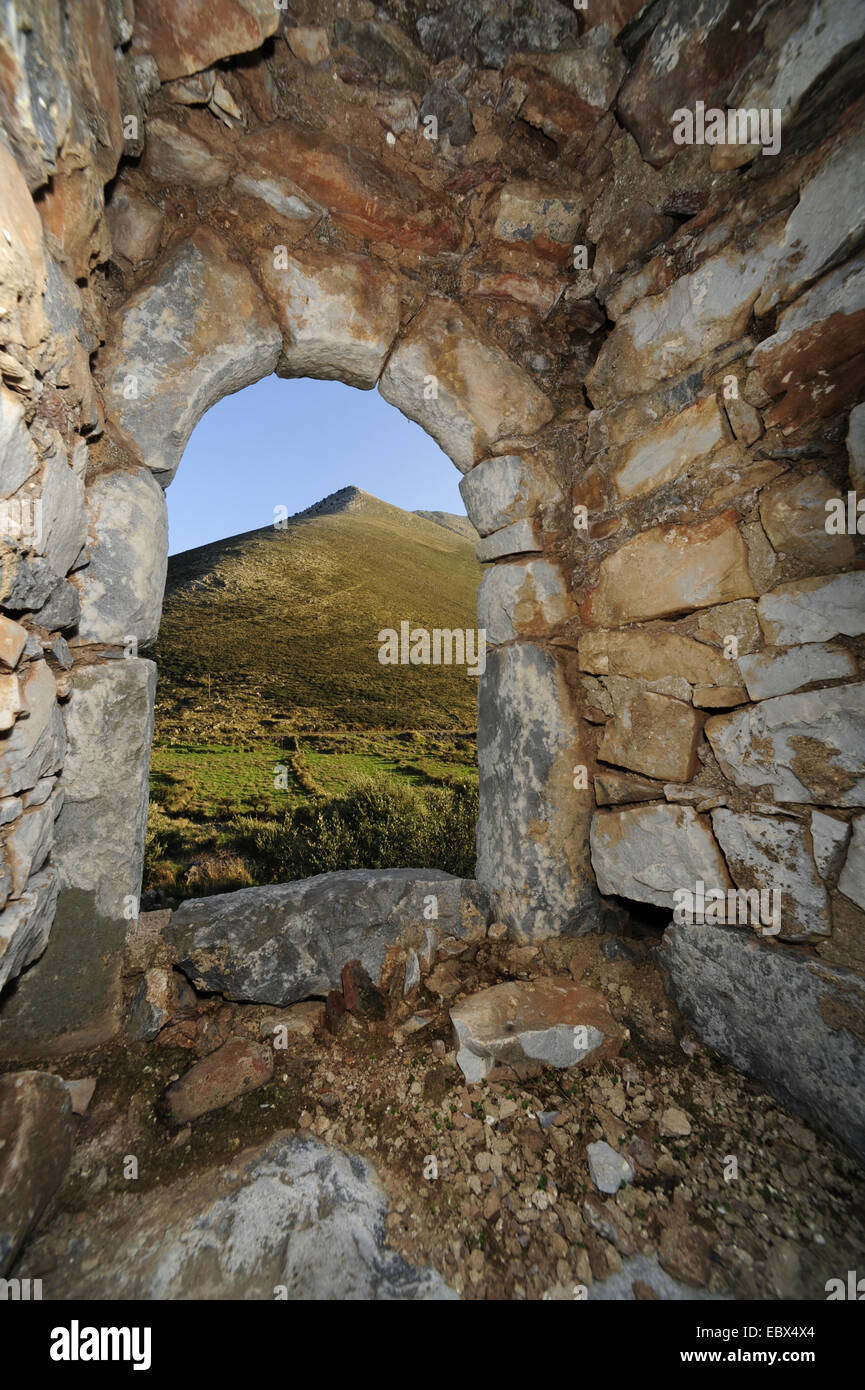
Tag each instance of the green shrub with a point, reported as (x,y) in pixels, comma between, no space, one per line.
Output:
(376,824)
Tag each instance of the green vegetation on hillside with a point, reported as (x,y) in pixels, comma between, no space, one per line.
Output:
(283,747)
(276,632)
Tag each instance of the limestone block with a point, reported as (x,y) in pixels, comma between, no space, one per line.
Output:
(461,388)
(339,315)
(671,569)
(810,1054)
(533,826)
(499,491)
(783,670)
(814,610)
(171,358)
(121,588)
(852,880)
(185,36)
(522,600)
(35,746)
(807,748)
(771,853)
(281,943)
(653,735)
(647,853)
(671,449)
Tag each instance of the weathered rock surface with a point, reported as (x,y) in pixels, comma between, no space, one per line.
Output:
(648,852)
(725,982)
(670,570)
(135,225)
(71,996)
(662,335)
(292,1219)
(500,491)
(35,746)
(121,588)
(526,214)
(653,735)
(281,943)
(391,207)
(24,930)
(652,655)
(551,1022)
(810,364)
(814,610)
(520,538)
(783,670)
(807,747)
(180,153)
(674,447)
(793,514)
(339,315)
(607,1168)
(694,52)
(234,1069)
(36,1138)
(529,742)
(18,460)
(171,359)
(64,518)
(852,880)
(522,600)
(771,853)
(185,36)
(461,388)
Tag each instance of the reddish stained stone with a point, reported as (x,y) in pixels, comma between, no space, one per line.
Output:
(361,995)
(335,1011)
(186,36)
(234,1069)
(711,46)
(371,202)
(818,371)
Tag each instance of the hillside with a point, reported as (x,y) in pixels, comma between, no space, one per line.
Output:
(275,631)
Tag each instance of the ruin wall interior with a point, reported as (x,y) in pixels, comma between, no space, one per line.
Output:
(646,359)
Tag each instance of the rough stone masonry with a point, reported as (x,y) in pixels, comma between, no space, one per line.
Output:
(643,355)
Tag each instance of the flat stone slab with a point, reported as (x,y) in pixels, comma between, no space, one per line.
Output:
(551,1022)
(292,1219)
(286,941)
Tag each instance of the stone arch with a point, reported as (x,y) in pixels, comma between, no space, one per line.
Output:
(204,323)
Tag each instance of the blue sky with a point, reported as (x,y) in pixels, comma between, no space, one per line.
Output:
(291,443)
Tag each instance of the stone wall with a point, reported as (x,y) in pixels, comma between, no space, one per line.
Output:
(644,357)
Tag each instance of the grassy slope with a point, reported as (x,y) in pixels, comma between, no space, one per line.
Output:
(285,623)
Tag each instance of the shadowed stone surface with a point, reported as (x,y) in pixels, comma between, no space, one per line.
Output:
(286,941)
(292,1219)
(758,1005)
(36,1138)
(533,823)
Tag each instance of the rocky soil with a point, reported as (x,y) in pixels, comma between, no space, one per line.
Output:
(488,1185)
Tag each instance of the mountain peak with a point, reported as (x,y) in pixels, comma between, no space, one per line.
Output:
(345,499)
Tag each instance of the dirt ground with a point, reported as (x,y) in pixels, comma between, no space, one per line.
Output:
(489,1183)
